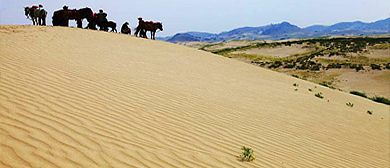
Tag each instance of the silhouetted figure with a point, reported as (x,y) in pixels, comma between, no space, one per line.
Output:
(125,28)
(62,17)
(139,29)
(65,7)
(37,14)
(112,25)
(102,20)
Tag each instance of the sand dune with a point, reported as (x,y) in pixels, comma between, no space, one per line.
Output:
(82,98)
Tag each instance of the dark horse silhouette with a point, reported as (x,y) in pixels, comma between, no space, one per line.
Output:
(62,17)
(112,25)
(38,17)
(149,26)
(109,24)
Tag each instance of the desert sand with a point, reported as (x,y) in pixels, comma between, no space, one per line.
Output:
(81,98)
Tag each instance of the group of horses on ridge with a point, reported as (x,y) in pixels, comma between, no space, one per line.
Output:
(36,14)
(61,18)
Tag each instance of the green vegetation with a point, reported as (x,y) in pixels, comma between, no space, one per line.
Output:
(324,54)
(369,112)
(327,84)
(310,90)
(381,100)
(381,46)
(296,84)
(323,47)
(349,104)
(374,66)
(319,95)
(376,99)
(209,45)
(358,93)
(247,154)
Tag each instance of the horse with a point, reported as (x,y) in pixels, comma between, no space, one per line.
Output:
(62,17)
(38,17)
(112,25)
(150,26)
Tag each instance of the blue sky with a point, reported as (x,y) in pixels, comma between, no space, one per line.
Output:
(212,15)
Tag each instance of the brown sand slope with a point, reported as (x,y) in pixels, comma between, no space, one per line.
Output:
(81,98)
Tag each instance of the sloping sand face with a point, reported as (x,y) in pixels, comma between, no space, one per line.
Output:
(81,98)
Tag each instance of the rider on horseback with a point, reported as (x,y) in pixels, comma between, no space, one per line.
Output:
(40,7)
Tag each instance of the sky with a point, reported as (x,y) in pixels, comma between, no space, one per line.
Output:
(212,16)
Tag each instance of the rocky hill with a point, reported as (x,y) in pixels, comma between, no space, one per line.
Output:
(286,30)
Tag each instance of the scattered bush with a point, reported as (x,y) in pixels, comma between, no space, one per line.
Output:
(296,76)
(360,67)
(326,85)
(353,66)
(388,66)
(333,65)
(349,104)
(358,93)
(319,95)
(296,84)
(381,100)
(247,154)
(310,90)
(316,67)
(303,67)
(276,64)
(375,66)
(369,112)
(289,66)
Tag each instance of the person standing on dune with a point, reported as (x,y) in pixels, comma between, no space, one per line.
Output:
(140,28)
(102,20)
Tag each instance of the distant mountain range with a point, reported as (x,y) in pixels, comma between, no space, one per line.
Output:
(286,30)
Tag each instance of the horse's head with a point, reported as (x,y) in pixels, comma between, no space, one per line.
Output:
(159,26)
(26,11)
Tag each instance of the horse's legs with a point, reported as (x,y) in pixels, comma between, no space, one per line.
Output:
(66,22)
(44,20)
(79,23)
(39,21)
(153,33)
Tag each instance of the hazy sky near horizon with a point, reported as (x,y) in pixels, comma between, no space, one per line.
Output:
(212,16)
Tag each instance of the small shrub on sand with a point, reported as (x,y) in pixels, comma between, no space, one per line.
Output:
(326,85)
(375,66)
(295,76)
(360,67)
(296,84)
(369,112)
(381,100)
(358,93)
(247,154)
(349,104)
(319,95)
(310,90)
